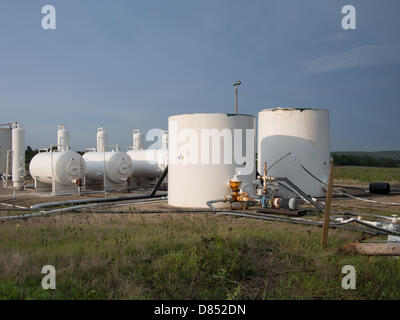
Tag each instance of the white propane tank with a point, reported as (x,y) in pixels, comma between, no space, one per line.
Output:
(148,163)
(138,140)
(117,165)
(62,168)
(5,145)
(18,156)
(301,137)
(63,139)
(194,175)
(102,140)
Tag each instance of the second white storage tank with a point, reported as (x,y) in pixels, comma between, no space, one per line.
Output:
(200,168)
(295,143)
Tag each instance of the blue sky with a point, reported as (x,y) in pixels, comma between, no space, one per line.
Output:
(127,64)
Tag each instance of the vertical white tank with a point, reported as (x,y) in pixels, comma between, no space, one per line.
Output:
(102,140)
(304,133)
(5,145)
(138,140)
(195,174)
(62,139)
(18,157)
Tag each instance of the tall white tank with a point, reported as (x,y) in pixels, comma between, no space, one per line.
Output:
(5,145)
(138,140)
(18,156)
(63,143)
(64,168)
(195,174)
(118,167)
(301,137)
(102,140)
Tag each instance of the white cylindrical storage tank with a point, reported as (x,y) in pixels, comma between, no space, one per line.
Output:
(63,139)
(301,137)
(5,145)
(102,140)
(148,163)
(205,152)
(118,166)
(138,140)
(18,156)
(65,167)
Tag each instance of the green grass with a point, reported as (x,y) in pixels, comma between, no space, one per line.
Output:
(180,256)
(366,174)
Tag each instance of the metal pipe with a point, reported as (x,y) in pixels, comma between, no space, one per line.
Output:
(299,192)
(296,221)
(55,211)
(236,85)
(81,201)
(159,181)
(210,203)
(12,205)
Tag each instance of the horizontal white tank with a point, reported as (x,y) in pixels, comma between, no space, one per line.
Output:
(118,166)
(5,145)
(304,133)
(148,163)
(18,156)
(65,167)
(194,176)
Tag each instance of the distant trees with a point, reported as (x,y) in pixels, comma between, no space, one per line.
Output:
(29,154)
(344,159)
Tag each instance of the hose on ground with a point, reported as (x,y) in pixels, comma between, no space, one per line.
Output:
(94,200)
(298,221)
(68,209)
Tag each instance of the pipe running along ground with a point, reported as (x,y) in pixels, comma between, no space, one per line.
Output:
(69,209)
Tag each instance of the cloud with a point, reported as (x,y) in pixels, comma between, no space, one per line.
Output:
(362,56)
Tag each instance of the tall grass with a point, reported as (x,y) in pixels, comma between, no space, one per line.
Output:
(181,256)
(367,174)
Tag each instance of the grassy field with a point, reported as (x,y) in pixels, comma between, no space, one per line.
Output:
(181,256)
(190,256)
(364,175)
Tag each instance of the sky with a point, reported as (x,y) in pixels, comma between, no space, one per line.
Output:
(126,64)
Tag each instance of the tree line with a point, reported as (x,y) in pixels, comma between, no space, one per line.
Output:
(340,159)
(364,160)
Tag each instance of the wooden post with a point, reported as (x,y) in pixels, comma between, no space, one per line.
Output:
(328,201)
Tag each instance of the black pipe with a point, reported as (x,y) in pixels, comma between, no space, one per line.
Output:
(93,200)
(159,181)
(300,192)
